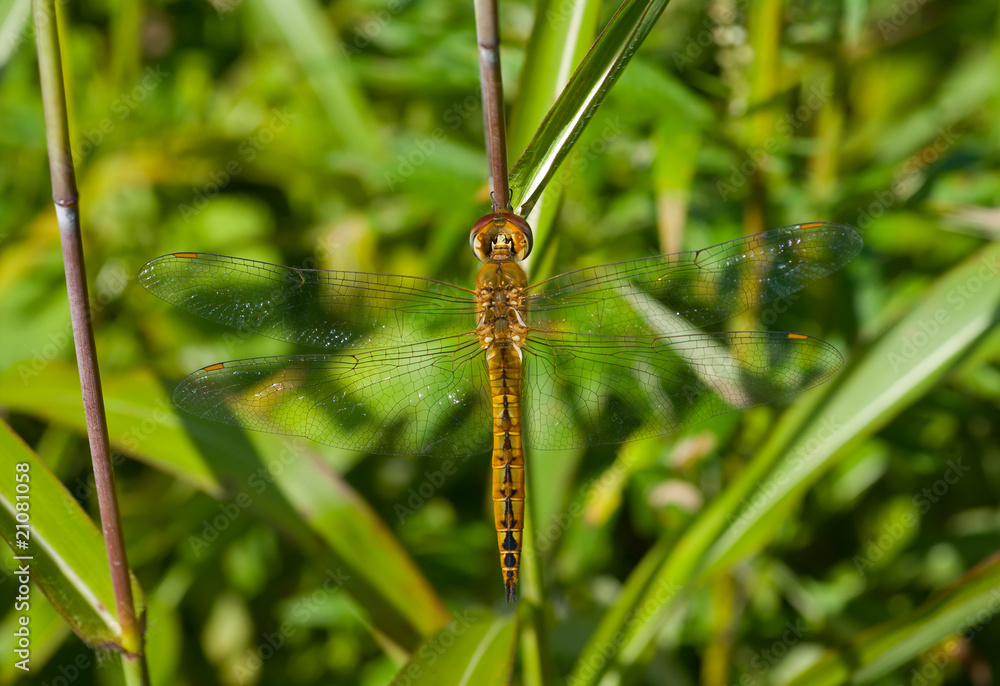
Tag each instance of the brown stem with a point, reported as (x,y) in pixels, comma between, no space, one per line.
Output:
(66,200)
(488,36)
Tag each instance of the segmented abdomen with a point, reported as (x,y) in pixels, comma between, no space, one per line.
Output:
(504,363)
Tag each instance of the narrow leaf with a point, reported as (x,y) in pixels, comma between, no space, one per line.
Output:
(311,502)
(902,365)
(473,650)
(14,31)
(964,608)
(586,90)
(905,362)
(66,550)
(559,40)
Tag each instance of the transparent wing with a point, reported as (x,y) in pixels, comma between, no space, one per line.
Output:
(693,289)
(584,390)
(430,398)
(315,307)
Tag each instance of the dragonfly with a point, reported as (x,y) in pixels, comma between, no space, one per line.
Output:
(415,366)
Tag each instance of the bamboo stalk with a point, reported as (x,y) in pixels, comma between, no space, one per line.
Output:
(66,199)
(488,36)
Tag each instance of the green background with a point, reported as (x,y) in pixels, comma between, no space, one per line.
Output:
(348,135)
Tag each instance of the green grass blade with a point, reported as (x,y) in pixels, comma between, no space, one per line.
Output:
(578,102)
(13,27)
(903,364)
(473,650)
(68,564)
(673,175)
(899,368)
(559,40)
(147,425)
(280,478)
(964,608)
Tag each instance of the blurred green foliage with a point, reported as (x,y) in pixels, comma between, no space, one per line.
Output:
(348,135)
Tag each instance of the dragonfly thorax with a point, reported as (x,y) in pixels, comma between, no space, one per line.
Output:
(501,237)
(500,304)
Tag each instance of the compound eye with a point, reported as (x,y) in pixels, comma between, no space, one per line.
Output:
(481,239)
(521,235)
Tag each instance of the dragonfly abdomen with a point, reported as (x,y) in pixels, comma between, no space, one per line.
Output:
(504,363)
(502,331)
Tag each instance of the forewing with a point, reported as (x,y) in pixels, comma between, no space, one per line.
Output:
(314,307)
(693,289)
(430,398)
(584,390)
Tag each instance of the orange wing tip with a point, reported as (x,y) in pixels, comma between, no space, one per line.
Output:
(795,336)
(186,255)
(214,367)
(811,225)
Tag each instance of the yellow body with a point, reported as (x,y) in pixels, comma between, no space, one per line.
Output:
(502,330)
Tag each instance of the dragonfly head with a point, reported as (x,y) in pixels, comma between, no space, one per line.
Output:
(500,237)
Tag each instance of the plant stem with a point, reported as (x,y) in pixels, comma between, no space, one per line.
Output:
(66,198)
(536,653)
(488,36)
